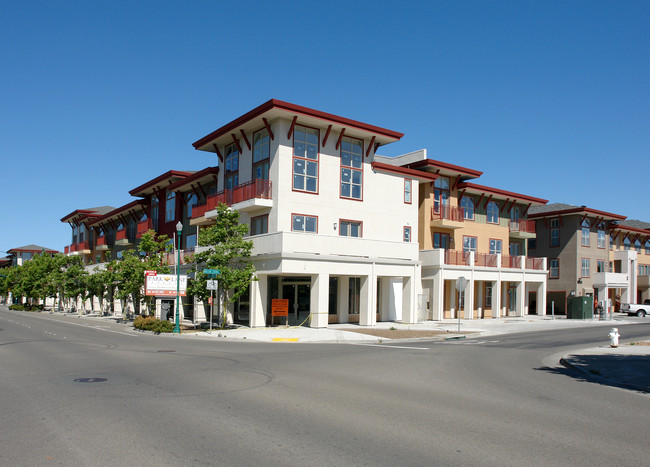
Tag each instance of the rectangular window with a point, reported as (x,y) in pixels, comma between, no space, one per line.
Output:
(350,228)
(440,193)
(555,232)
(351,168)
(601,236)
(585,232)
(495,246)
(190,241)
(600,265)
(170,207)
(407,190)
(305,159)
(647,247)
(261,154)
(260,225)
(584,269)
(469,244)
(302,223)
(441,240)
(532,243)
(612,243)
(554,268)
(488,295)
(231,171)
(407,234)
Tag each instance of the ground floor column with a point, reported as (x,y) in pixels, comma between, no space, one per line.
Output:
(521,299)
(367,314)
(258,305)
(409,302)
(468,308)
(319,300)
(496,299)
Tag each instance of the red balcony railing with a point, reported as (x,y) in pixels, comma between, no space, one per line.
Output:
(535,263)
(449,213)
(457,257)
(120,235)
(66,249)
(101,241)
(525,226)
(144,227)
(485,260)
(512,262)
(244,192)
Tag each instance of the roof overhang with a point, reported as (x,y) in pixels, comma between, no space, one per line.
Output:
(80,215)
(134,207)
(445,169)
(272,109)
(473,188)
(403,171)
(579,210)
(202,176)
(159,183)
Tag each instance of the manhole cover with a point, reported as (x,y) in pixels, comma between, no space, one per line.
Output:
(166,351)
(90,380)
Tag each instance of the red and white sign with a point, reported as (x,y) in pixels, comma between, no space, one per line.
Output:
(151,273)
(165,285)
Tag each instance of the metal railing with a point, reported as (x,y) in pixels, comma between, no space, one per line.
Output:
(525,226)
(450,213)
(260,189)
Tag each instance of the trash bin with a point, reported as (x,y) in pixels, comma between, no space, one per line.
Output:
(580,307)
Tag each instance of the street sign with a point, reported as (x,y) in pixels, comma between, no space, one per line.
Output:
(211,271)
(213,284)
(461,283)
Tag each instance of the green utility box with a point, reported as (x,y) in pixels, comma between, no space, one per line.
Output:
(580,308)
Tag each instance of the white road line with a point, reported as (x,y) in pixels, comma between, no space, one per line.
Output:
(388,346)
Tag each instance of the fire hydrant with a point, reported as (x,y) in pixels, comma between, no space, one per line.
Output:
(613,337)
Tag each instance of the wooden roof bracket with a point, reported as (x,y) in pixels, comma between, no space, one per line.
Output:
(248,144)
(338,142)
(293,125)
(526,210)
(236,141)
(268,128)
(372,141)
(327,135)
(216,149)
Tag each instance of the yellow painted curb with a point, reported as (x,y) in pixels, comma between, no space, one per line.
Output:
(284,339)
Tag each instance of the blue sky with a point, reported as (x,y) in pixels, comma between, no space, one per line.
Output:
(547,98)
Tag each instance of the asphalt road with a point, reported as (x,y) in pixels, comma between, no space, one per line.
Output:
(88,392)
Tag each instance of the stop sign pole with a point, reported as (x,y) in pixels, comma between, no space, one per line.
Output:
(461,284)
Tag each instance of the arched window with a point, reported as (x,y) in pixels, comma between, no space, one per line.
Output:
(586,227)
(191,201)
(493,213)
(467,204)
(170,206)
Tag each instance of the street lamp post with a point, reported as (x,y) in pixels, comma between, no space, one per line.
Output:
(177,324)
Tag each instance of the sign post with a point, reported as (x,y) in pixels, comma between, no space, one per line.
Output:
(461,283)
(212,285)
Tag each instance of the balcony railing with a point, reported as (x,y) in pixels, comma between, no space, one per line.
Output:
(535,263)
(512,262)
(144,227)
(485,260)
(449,213)
(100,241)
(244,192)
(524,226)
(120,235)
(66,249)
(459,258)
(77,247)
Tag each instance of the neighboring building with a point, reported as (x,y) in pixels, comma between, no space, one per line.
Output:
(632,236)
(333,228)
(478,233)
(17,256)
(576,240)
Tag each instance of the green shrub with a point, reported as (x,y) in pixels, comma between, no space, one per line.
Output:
(150,323)
(17,307)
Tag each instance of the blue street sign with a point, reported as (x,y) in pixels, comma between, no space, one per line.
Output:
(211,271)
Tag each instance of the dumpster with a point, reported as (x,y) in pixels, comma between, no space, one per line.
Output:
(580,308)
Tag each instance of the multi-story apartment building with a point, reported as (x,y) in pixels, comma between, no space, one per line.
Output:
(479,233)
(588,252)
(632,236)
(82,235)
(333,228)
(17,256)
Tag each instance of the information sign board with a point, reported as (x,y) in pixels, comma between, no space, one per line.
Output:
(280,307)
(165,285)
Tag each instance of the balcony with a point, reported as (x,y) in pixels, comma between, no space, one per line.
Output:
(100,243)
(121,238)
(66,249)
(247,197)
(144,227)
(522,229)
(441,258)
(81,248)
(447,217)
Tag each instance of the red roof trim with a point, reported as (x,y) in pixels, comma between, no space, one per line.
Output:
(80,212)
(576,210)
(633,229)
(403,171)
(292,108)
(195,176)
(497,191)
(445,165)
(166,175)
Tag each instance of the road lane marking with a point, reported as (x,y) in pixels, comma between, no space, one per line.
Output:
(388,346)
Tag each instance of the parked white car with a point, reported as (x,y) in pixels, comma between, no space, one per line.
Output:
(636,310)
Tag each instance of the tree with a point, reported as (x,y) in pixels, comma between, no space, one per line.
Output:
(130,270)
(228,252)
(74,279)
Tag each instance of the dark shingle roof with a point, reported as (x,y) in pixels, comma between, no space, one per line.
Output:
(551,208)
(635,224)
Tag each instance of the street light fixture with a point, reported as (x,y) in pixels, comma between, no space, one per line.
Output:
(177,324)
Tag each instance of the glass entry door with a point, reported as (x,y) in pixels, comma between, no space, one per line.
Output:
(299,298)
